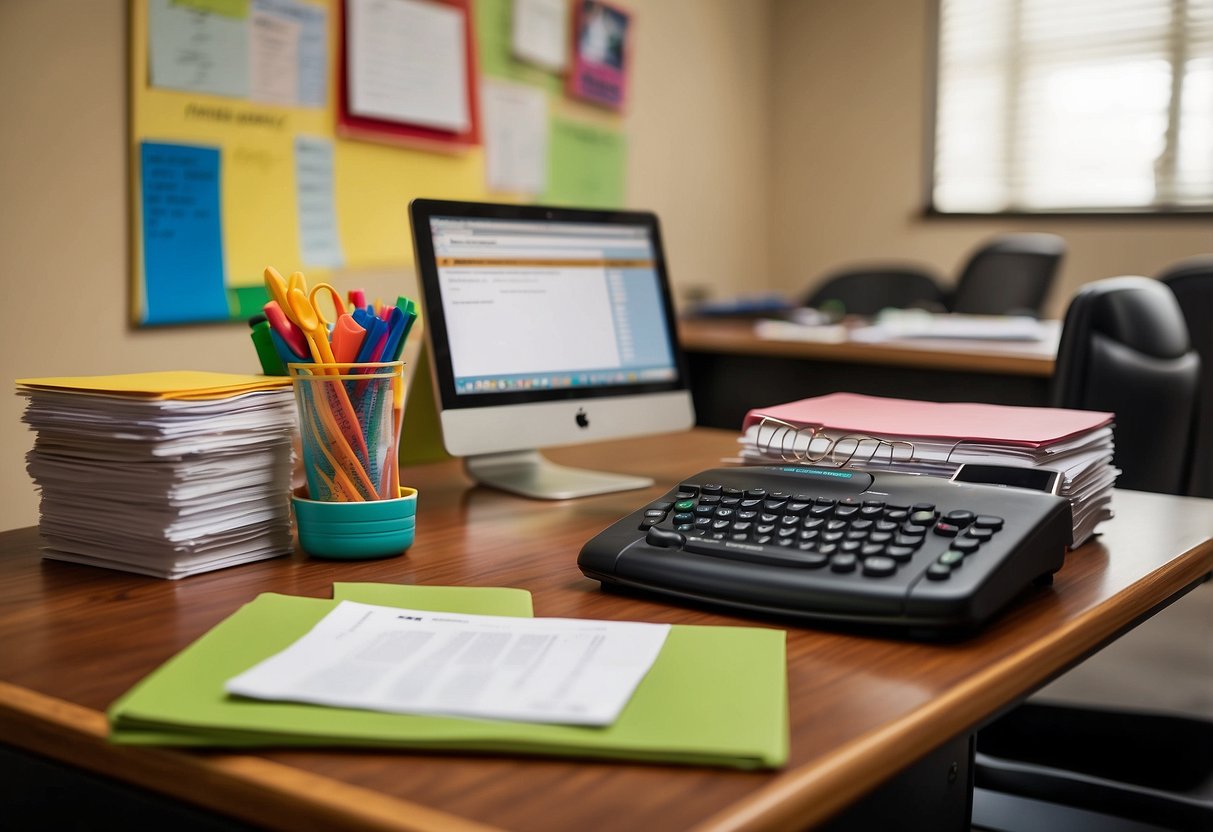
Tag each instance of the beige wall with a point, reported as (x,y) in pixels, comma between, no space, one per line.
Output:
(776,139)
(697,130)
(849,125)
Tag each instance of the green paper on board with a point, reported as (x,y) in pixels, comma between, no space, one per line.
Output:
(715,696)
(586,165)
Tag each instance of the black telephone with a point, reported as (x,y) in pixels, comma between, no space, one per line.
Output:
(920,554)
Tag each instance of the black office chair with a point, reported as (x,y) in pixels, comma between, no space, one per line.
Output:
(866,291)
(1192,282)
(1124,348)
(1010,274)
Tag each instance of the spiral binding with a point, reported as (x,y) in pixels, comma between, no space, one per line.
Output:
(785,438)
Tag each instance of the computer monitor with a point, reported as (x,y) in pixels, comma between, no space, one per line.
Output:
(547,326)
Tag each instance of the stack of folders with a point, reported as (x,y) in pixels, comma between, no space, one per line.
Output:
(163,474)
(882,434)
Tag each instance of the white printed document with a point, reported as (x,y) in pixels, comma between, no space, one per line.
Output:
(558,670)
(407,62)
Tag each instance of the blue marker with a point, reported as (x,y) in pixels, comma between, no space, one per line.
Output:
(397,324)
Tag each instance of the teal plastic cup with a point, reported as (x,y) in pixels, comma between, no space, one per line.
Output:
(355,530)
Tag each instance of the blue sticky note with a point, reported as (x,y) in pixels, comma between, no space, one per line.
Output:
(183,270)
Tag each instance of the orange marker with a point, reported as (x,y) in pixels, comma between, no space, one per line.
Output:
(347,339)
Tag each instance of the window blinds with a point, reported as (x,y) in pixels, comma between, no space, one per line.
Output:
(1073,105)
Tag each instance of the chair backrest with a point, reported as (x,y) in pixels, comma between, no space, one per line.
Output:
(1124,349)
(1010,274)
(865,291)
(1192,282)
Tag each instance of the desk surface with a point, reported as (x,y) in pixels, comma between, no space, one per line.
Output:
(1024,358)
(76,637)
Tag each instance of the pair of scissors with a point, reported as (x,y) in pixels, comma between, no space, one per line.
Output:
(334,295)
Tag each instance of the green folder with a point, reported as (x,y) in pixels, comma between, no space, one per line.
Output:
(481,600)
(715,695)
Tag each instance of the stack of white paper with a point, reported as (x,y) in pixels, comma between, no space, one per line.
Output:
(162,486)
(879,434)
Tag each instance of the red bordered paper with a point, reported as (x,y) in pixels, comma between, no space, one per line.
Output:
(352,126)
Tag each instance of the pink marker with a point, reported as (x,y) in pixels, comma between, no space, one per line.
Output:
(291,334)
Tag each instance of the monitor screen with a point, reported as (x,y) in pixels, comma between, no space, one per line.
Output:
(556,323)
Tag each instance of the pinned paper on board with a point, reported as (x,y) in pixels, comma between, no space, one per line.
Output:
(515,137)
(290,49)
(268,51)
(600,54)
(200,47)
(273,57)
(319,242)
(586,165)
(539,33)
(407,63)
(494,20)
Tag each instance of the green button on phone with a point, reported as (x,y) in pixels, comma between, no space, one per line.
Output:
(684,505)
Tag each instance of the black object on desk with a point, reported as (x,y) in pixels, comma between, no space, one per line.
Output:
(919,554)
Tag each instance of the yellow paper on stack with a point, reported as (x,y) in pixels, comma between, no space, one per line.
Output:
(182,385)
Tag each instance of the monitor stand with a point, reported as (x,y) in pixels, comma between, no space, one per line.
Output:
(530,474)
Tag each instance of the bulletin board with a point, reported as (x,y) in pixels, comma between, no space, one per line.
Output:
(239,158)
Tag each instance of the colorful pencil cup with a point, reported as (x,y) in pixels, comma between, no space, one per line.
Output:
(349,425)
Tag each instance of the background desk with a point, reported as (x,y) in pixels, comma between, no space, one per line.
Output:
(733,370)
(861,709)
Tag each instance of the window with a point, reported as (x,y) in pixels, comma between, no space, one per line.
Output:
(1074,106)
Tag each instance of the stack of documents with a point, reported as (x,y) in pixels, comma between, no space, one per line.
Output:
(712,695)
(880,434)
(897,324)
(163,474)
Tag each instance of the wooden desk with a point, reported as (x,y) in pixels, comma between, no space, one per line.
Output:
(861,709)
(733,370)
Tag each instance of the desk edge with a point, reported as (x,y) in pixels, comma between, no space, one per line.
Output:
(797,799)
(243,786)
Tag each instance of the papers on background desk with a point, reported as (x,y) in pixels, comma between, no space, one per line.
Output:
(914,327)
(559,670)
(163,474)
(882,434)
(899,324)
(714,695)
(774,330)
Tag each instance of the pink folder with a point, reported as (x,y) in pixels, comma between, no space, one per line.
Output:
(1033,427)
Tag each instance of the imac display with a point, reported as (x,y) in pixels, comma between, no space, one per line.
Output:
(547,326)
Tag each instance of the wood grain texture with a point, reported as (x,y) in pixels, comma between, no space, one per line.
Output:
(1005,358)
(861,708)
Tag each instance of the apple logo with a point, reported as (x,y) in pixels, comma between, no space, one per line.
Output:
(583,421)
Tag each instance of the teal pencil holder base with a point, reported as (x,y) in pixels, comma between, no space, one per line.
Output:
(355,530)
